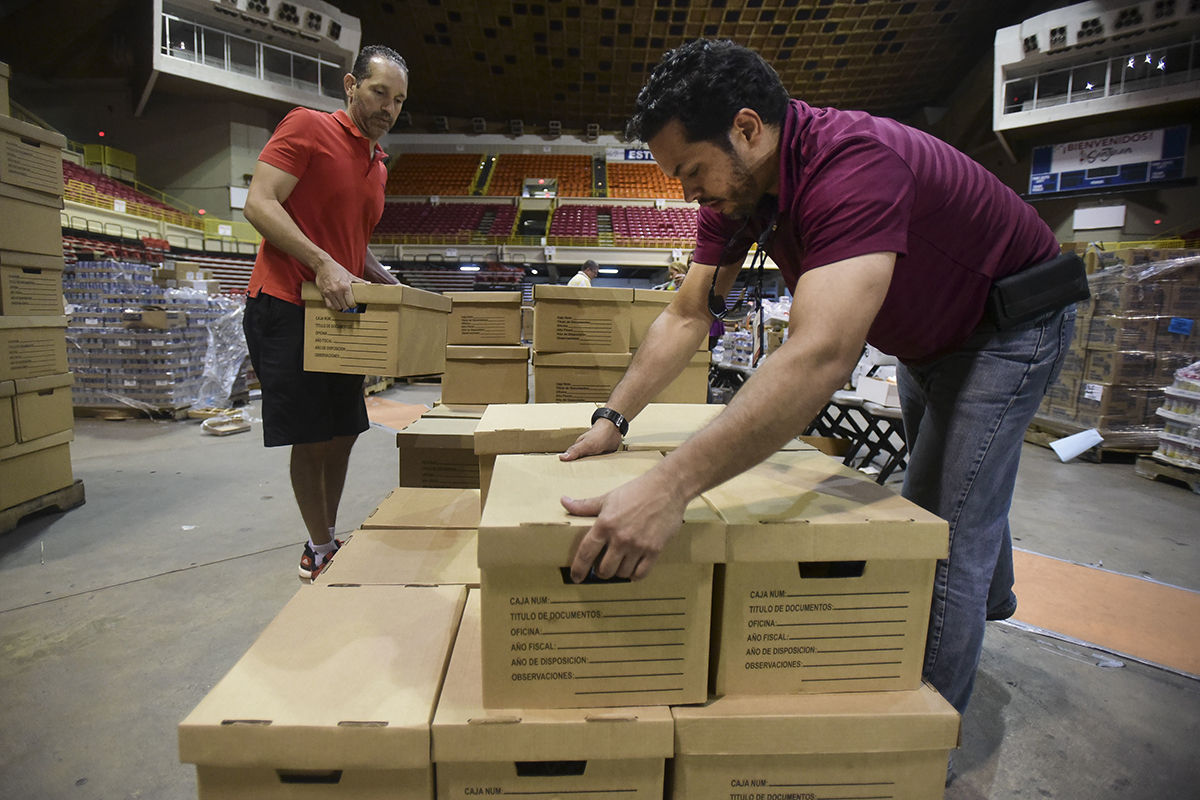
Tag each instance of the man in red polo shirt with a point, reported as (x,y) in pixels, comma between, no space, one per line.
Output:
(883,234)
(316,195)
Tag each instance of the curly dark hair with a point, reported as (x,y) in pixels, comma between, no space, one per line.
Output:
(704,84)
(362,65)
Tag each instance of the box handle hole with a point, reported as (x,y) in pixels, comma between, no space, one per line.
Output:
(549,769)
(831,569)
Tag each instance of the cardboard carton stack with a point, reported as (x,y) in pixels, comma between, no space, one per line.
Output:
(36,422)
(134,343)
(439,452)
(485,360)
(580,342)
(692,384)
(1141,324)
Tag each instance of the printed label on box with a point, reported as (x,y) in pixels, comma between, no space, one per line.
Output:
(1180,325)
(1093,391)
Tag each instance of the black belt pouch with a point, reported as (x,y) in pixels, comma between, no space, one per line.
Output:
(1038,290)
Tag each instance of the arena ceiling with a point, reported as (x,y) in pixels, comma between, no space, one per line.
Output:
(583,61)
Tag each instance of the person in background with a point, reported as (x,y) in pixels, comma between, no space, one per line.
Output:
(587,273)
(883,234)
(675,274)
(316,195)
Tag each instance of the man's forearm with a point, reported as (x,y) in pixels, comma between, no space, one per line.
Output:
(669,345)
(376,272)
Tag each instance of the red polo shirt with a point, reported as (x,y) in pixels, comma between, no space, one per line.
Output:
(852,184)
(336,203)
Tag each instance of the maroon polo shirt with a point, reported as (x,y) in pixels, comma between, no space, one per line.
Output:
(852,184)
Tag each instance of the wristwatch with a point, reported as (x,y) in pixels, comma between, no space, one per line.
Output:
(612,416)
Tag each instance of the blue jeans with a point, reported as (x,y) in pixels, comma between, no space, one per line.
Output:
(965,417)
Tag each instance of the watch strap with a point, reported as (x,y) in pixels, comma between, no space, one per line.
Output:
(612,416)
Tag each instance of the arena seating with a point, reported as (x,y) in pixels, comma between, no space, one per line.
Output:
(638,226)
(448,222)
(432,174)
(91,188)
(631,179)
(574,173)
(575,221)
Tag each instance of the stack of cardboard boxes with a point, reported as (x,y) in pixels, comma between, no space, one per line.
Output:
(485,360)
(790,583)
(36,421)
(1141,324)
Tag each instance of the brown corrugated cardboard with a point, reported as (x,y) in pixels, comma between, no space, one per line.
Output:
(5,73)
(439,452)
(8,420)
(652,634)
(43,406)
(32,260)
(29,227)
(876,744)
(260,732)
(31,158)
(31,347)
(484,375)
(665,426)
(691,385)
(400,557)
(570,319)
(532,427)
(1120,366)
(400,331)
(551,752)
(31,291)
(471,411)
(159,319)
(648,304)
(1121,333)
(484,318)
(577,377)
(35,468)
(827,582)
(411,507)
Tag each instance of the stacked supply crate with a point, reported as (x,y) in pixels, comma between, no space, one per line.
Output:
(485,360)
(36,424)
(580,342)
(1138,328)
(135,343)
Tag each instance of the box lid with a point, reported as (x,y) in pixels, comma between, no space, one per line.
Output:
(8,388)
(412,507)
(33,445)
(456,410)
(27,131)
(847,722)
(487,353)
(397,557)
(391,642)
(5,72)
(446,432)
(532,427)
(618,360)
(12,323)
(485,297)
(464,731)
(524,522)
(665,426)
(31,260)
(385,295)
(593,294)
(656,297)
(27,195)
(28,385)
(805,506)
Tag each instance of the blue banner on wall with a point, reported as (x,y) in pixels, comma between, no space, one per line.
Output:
(1124,159)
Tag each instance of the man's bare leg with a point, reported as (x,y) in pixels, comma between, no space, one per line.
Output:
(318,476)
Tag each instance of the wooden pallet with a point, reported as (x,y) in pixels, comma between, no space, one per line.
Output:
(1157,470)
(377,385)
(1097,455)
(62,500)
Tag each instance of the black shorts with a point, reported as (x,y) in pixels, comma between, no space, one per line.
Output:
(298,407)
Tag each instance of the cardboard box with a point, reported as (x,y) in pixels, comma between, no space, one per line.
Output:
(548,753)
(665,426)
(876,744)
(485,375)
(1183,300)
(31,291)
(35,468)
(259,733)
(29,227)
(527,324)
(5,74)
(1122,333)
(577,377)
(570,319)
(1178,334)
(398,331)
(827,581)
(648,304)
(186,271)
(1168,363)
(439,453)
(460,411)
(157,319)
(31,159)
(552,643)
(692,384)
(484,318)
(879,391)
(42,406)
(438,509)
(397,557)
(1111,407)
(32,347)
(8,419)
(527,428)
(1120,366)
(1133,298)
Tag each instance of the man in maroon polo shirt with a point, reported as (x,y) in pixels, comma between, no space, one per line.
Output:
(316,195)
(884,235)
